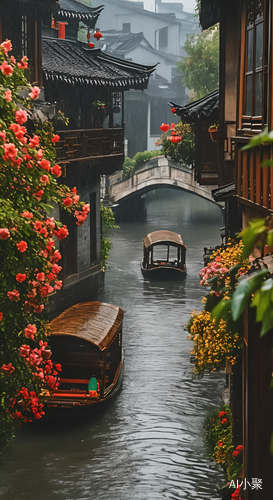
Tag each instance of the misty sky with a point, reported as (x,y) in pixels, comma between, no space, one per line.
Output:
(188,4)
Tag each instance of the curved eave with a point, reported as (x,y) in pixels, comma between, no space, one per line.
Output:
(140,82)
(85,17)
(202,109)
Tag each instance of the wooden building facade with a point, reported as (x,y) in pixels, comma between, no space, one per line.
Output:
(245,109)
(88,86)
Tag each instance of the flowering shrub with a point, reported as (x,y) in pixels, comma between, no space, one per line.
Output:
(177,142)
(214,343)
(219,440)
(29,189)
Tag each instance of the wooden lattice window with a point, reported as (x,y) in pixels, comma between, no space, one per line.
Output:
(255,68)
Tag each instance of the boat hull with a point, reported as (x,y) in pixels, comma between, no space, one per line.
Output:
(58,406)
(164,273)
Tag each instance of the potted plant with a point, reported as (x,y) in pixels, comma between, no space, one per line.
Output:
(213,130)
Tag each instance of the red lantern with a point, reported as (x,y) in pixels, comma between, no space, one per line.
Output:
(164,127)
(53,25)
(91,45)
(175,139)
(97,34)
(173,110)
(88,36)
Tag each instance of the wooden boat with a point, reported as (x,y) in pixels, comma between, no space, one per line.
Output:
(87,340)
(164,256)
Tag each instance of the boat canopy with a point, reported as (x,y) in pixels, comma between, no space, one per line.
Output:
(167,237)
(95,322)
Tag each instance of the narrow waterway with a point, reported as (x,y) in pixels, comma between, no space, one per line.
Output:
(147,445)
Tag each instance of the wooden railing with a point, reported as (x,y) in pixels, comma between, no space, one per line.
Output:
(88,144)
(254,183)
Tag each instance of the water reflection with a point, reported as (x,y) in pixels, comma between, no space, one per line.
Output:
(147,445)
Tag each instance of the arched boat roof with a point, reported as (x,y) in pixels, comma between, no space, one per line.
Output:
(163,236)
(95,322)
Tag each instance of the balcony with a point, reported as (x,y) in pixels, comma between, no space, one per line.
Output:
(254,183)
(103,146)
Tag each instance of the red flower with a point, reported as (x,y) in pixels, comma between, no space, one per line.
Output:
(175,139)
(22,246)
(56,170)
(224,421)
(235,453)
(40,276)
(1,316)
(24,350)
(7,368)
(13,295)
(55,138)
(38,195)
(7,46)
(220,444)
(34,141)
(45,164)
(91,45)
(23,64)
(21,116)
(4,233)
(30,331)
(239,447)
(222,413)
(6,68)
(164,127)
(173,110)
(68,202)
(20,277)
(61,233)
(27,214)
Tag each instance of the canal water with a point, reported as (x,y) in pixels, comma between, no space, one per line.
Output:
(148,444)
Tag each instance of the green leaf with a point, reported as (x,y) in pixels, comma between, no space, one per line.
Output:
(267,323)
(221,310)
(243,291)
(270,237)
(264,137)
(267,163)
(251,234)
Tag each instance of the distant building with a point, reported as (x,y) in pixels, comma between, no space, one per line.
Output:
(161,40)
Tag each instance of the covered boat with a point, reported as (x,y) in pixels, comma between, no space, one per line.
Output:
(164,256)
(87,340)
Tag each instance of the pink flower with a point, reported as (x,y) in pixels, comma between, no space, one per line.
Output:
(44,179)
(10,151)
(35,92)
(22,246)
(7,95)
(20,277)
(55,138)
(56,170)
(34,141)
(6,68)
(13,295)
(4,233)
(30,331)
(24,350)
(21,116)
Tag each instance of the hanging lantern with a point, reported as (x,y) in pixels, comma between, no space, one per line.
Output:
(88,35)
(91,45)
(53,25)
(173,110)
(97,34)
(164,127)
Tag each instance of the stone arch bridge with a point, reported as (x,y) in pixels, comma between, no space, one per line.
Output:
(157,172)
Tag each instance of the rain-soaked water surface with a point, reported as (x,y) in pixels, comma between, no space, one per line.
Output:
(147,445)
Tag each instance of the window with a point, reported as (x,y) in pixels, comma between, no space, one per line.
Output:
(163,38)
(255,66)
(126,27)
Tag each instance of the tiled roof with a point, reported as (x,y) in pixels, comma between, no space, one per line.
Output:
(210,13)
(71,9)
(205,108)
(75,63)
